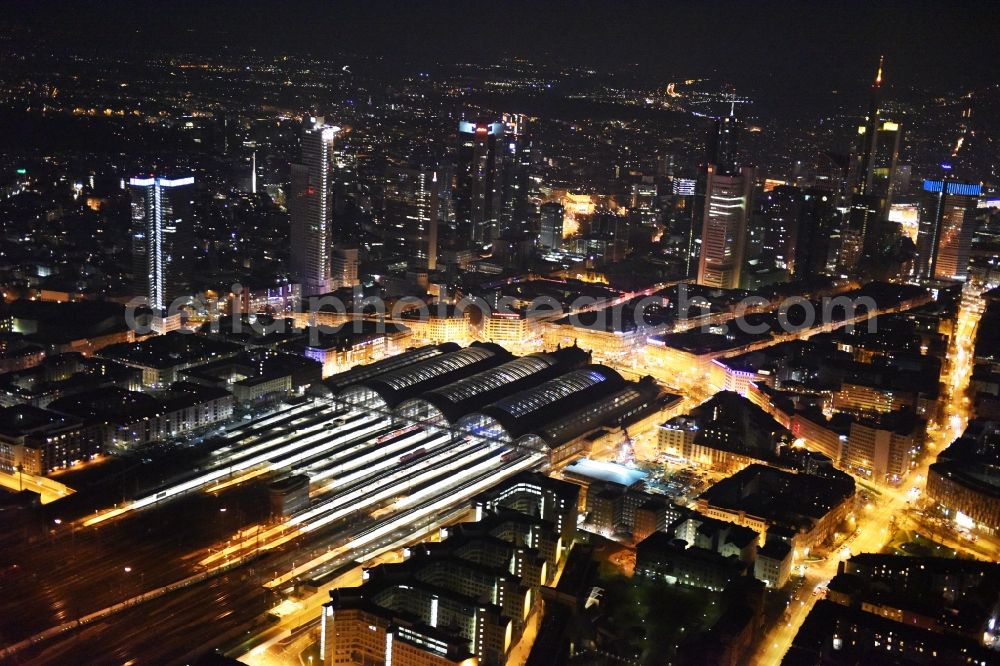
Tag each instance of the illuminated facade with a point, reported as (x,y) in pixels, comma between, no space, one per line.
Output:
(944,237)
(780,215)
(856,397)
(464,600)
(441,325)
(38,441)
(448,329)
(478,179)
(310,207)
(344,267)
(760,497)
(415,200)
(730,376)
(676,435)
(359,636)
(817,436)
(774,563)
(880,453)
(535,494)
(724,228)
(968,495)
(607,346)
(965,480)
(513,330)
(278,299)
(877,152)
(162,240)
(338,355)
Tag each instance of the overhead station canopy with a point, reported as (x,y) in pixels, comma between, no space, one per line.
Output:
(530,410)
(360,373)
(540,400)
(451,402)
(389,389)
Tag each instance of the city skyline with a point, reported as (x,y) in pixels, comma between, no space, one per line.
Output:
(540,334)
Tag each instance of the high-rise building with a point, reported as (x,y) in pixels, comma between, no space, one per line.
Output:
(688,195)
(415,200)
(344,267)
(614,228)
(944,237)
(162,237)
(883,164)
(310,209)
(724,228)
(862,218)
(724,143)
(552,217)
(478,187)
(666,165)
(778,226)
(819,225)
(644,205)
(345,178)
(873,170)
(518,162)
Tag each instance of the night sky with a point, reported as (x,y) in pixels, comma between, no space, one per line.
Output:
(783,48)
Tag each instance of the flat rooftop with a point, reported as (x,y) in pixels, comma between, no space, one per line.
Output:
(172,349)
(21,420)
(779,496)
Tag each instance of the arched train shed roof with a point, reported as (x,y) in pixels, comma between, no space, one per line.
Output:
(395,386)
(529,410)
(483,388)
(360,373)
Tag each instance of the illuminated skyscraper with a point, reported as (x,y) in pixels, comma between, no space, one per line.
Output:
(517,212)
(478,188)
(689,197)
(944,237)
(415,200)
(725,207)
(873,171)
(310,208)
(880,167)
(162,238)
(724,228)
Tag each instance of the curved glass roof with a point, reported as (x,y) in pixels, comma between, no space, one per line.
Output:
(404,378)
(494,378)
(523,403)
(576,423)
(362,373)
